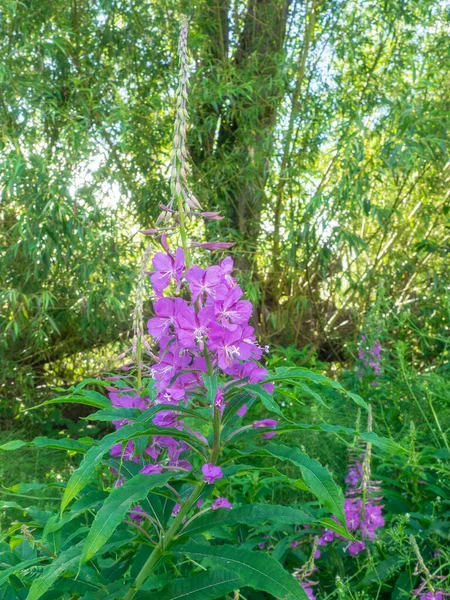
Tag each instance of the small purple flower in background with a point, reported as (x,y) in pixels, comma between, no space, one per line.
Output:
(137,514)
(369,360)
(294,544)
(211,473)
(308,589)
(221,503)
(363,513)
(176,509)
(431,595)
(200,503)
(354,475)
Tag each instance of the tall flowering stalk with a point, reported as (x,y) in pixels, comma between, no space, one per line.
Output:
(427,589)
(206,348)
(363,511)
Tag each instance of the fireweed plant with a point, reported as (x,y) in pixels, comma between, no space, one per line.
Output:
(187,416)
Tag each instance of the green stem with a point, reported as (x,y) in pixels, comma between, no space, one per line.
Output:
(139,364)
(181,214)
(163,545)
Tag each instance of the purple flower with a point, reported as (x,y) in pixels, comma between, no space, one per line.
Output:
(219,400)
(228,345)
(151,469)
(126,453)
(226,267)
(211,473)
(231,311)
(242,411)
(200,503)
(308,589)
(294,544)
(265,423)
(126,401)
(166,309)
(166,418)
(137,514)
(436,595)
(268,435)
(193,327)
(354,475)
(176,509)
(206,283)
(171,395)
(221,503)
(166,268)
(356,547)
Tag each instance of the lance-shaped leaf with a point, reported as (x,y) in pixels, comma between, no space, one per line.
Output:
(254,514)
(66,561)
(44,442)
(256,569)
(210,585)
(287,373)
(316,477)
(115,507)
(265,398)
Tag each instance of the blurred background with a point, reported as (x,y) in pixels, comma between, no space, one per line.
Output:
(318,129)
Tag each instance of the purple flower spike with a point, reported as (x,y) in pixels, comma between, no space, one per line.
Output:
(211,473)
(221,503)
(265,423)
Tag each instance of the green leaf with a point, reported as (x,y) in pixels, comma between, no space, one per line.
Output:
(383,443)
(204,586)
(115,507)
(114,414)
(79,399)
(13,445)
(44,442)
(331,524)
(316,477)
(286,373)
(265,398)
(211,383)
(256,569)
(6,573)
(234,405)
(67,560)
(253,514)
